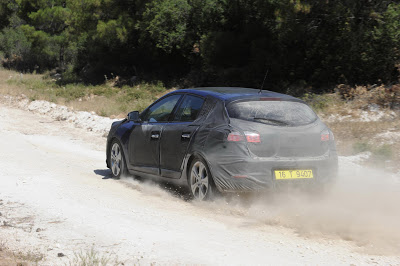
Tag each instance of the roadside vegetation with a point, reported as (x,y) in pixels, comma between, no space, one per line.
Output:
(8,257)
(94,258)
(106,99)
(365,120)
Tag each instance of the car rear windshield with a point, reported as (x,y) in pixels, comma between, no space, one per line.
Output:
(280,113)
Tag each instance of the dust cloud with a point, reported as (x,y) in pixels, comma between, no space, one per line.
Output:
(361,207)
(155,188)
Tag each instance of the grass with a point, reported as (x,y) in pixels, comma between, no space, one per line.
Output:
(380,153)
(361,146)
(105,100)
(93,258)
(19,258)
(384,152)
(83,258)
(322,103)
(29,256)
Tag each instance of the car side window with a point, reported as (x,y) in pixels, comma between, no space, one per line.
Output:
(161,111)
(189,109)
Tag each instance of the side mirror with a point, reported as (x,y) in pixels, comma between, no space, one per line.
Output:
(134,116)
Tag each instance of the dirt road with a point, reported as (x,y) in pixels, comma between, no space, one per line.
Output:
(55,198)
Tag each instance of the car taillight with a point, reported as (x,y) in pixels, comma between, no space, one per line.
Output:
(251,137)
(235,136)
(325,135)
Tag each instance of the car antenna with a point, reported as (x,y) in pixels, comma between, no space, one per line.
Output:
(262,86)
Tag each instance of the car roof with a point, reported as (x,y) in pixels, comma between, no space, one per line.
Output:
(229,94)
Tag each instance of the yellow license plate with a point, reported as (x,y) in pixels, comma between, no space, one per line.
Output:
(293,174)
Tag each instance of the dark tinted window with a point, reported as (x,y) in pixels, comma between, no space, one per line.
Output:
(161,111)
(189,109)
(281,113)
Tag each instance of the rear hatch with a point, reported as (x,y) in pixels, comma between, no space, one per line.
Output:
(275,128)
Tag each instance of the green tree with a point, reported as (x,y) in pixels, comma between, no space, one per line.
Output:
(15,48)
(164,24)
(5,14)
(207,42)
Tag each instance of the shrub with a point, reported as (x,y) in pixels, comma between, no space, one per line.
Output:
(383,152)
(319,102)
(361,147)
(363,96)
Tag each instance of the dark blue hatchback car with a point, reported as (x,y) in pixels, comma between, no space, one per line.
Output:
(225,139)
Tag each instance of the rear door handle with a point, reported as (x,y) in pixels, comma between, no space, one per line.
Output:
(186,136)
(155,135)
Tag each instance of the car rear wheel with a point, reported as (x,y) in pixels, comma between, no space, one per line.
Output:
(200,181)
(117,160)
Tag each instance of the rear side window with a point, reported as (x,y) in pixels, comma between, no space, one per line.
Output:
(189,109)
(280,113)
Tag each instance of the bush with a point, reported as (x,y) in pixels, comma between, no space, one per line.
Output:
(69,76)
(379,153)
(363,96)
(319,102)
(15,49)
(361,147)
(383,152)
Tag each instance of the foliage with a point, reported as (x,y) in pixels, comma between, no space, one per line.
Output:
(206,42)
(379,153)
(15,48)
(384,152)
(361,147)
(94,258)
(366,96)
(165,23)
(320,102)
(105,99)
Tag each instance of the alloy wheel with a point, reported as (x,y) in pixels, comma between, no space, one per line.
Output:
(199,180)
(116,159)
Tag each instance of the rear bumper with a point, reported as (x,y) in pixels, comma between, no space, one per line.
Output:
(250,174)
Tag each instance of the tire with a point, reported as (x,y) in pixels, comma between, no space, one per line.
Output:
(117,160)
(200,181)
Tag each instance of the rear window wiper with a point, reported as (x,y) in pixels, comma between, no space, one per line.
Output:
(271,120)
